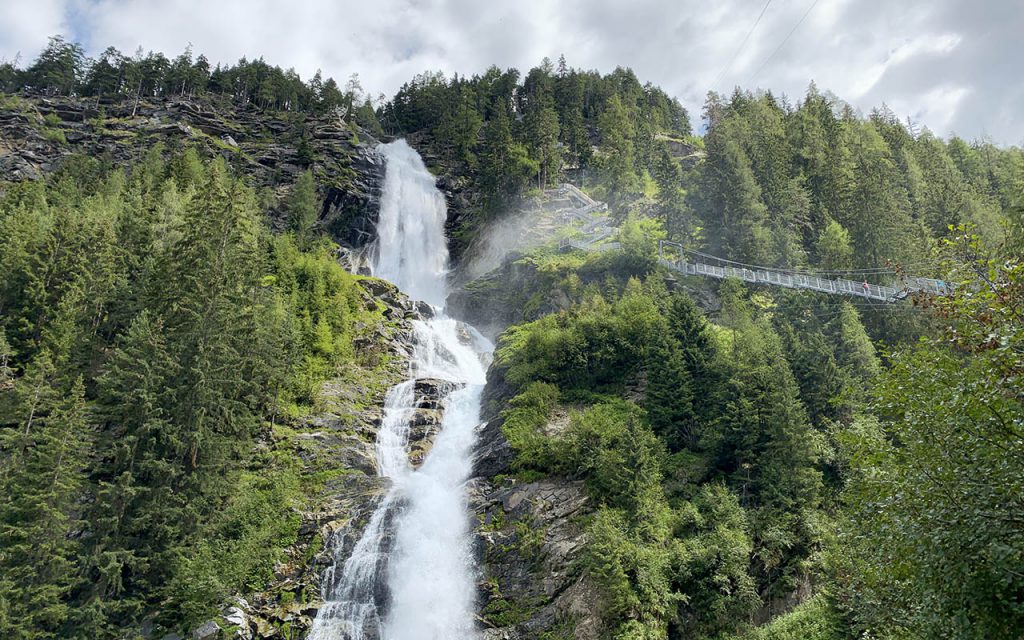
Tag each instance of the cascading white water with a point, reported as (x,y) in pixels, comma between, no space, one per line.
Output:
(411,250)
(426,571)
(352,597)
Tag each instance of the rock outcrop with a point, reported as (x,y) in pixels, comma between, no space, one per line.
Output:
(38,133)
(529,535)
(528,539)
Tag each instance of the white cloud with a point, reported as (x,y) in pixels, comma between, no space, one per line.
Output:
(26,25)
(949,63)
(922,45)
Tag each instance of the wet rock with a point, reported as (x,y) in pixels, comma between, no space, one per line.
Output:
(430,393)
(355,261)
(236,617)
(424,309)
(321,449)
(493,455)
(529,536)
(350,214)
(533,566)
(386,293)
(425,422)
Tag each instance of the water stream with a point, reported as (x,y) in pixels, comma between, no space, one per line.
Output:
(410,575)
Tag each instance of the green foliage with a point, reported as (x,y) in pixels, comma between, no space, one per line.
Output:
(460,125)
(63,69)
(242,544)
(816,619)
(683,377)
(316,309)
(694,562)
(617,162)
(781,184)
(506,166)
(523,422)
(833,249)
(711,549)
(634,576)
(933,534)
(506,135)
(59,67)
(302,205)
(736,214)
(589,346)
(151,329)
(43,474)
(639,237)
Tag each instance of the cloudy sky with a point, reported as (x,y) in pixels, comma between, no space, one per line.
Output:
(950,65)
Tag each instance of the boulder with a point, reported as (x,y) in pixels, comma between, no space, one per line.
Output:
(209,630)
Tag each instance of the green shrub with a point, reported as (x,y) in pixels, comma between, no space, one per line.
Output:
(815,619)
(55,135)
(523,424)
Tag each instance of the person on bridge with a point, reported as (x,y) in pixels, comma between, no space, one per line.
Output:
(867,287)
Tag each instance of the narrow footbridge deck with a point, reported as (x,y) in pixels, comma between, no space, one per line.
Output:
(794,280)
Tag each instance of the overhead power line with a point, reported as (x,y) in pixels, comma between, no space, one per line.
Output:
(736,54)
(784,40)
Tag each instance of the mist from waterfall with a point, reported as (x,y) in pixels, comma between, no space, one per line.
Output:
(411,575)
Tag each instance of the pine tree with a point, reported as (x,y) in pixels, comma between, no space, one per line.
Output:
(673,210)
(572,127)
(59,68)
(136,519)
(505,167)
(302,205)
(542,129)
(670,398)
(735,217)
(6,363)
(618,170)
(41,490)
(873,201)
(833,248)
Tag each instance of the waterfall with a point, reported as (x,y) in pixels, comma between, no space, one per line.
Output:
(410,575)
(411,250)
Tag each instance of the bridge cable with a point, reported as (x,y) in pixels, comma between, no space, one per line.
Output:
(817,273)
(726,68)
(784,40)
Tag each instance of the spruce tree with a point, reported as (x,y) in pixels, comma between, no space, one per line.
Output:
(735,216)
(618,169)
(302,205)
(670,397)
(40,503)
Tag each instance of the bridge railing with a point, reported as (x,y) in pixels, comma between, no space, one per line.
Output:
(882,293)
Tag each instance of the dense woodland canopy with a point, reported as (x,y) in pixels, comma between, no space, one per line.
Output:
(152,329)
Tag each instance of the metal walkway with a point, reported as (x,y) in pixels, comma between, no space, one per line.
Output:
(596,229)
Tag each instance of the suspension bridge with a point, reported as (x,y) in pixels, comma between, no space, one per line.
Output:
(591,221)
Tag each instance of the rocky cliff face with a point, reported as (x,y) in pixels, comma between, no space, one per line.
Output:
(529,534)
(271,148)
